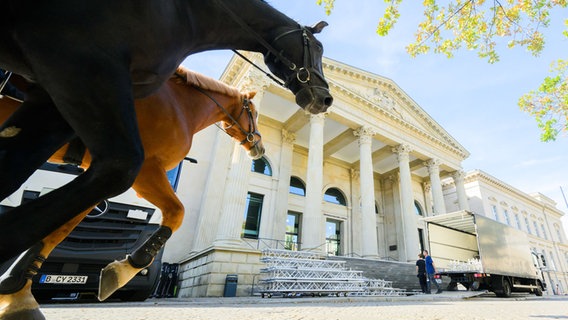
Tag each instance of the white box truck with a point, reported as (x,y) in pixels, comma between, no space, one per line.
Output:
(483,254)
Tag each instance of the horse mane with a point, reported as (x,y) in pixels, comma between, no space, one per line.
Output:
(204,82)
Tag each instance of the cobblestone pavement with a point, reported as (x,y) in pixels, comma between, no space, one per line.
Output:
(445,306)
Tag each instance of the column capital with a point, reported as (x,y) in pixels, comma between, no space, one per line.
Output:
(458,175)
(317,117)
(355,174)
(433,165)
(403,151)
(365,134)
(288,137)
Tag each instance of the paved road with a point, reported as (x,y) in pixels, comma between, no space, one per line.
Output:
(445,306)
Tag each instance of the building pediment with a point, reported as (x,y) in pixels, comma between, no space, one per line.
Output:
(362,89)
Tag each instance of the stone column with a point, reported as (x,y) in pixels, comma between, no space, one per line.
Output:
(369,226)
(427,186)
(283,188)
(234,199)
(437,193)
(411,245)
(312,234)
(356,222)
(204,231)
(459,177)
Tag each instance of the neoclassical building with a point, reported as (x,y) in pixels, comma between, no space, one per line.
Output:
(354,181)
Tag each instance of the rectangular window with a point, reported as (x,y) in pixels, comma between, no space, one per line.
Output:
(558,234)
(551,264)
(535,225)
(292,239)
(506,214)
(543,231)
(495,213)
(528,225)
(253,212)
(333,237)
(518,221)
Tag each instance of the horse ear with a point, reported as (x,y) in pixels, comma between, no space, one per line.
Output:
(318,27)
(251,95)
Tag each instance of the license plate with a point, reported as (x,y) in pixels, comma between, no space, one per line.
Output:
(62,279)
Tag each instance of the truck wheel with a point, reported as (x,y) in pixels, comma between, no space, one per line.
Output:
(505,291)
(538,292)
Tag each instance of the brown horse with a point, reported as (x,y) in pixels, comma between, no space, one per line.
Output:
(186,104)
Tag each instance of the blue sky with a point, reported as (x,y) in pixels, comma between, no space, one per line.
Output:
(476,102)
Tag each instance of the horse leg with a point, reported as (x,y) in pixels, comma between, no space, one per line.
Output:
(153,185)
(27,138)
(16,299)
(102,115)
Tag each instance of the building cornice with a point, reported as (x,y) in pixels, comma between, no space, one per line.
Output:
(479,175)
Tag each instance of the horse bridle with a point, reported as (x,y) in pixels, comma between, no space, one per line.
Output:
(249,135)
(302,74)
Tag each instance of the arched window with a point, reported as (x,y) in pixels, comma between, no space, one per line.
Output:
(297,186)
(418,208)
(261,166)
(334,195)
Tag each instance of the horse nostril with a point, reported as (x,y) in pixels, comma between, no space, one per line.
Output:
(328,101)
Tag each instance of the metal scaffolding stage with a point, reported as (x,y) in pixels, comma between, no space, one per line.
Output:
(294,273)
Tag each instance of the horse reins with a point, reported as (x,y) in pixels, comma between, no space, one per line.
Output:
(249,135)
(4,82)
(7,74)
(278,54)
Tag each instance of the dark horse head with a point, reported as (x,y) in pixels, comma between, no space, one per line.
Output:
(290,51)
(301,70)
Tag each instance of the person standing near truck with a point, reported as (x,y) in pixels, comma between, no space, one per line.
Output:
(421,273)
(430,271)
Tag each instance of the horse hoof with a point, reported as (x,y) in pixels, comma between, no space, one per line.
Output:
(114,276)
(33,314)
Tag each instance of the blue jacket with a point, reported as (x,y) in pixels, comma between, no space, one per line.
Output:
(429,265)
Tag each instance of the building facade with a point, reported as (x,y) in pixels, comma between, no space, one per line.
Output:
(354,181)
